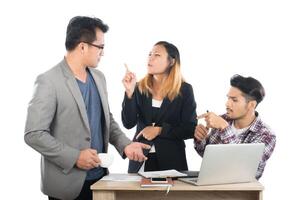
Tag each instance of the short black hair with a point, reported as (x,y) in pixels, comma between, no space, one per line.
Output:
(252,88)
(171,50)
(82,28)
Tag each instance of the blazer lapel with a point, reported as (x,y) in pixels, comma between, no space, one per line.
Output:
(148,109)
(74,89)
(102,93)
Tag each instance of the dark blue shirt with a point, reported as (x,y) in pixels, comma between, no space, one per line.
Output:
(93,106)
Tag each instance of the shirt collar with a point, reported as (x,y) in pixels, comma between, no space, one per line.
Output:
(254,126)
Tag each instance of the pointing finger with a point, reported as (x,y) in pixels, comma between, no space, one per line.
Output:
(145,146)
(127,69)
(202,116)
(139,135)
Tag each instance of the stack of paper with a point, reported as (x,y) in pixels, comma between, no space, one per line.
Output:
(163,174)
(122,177)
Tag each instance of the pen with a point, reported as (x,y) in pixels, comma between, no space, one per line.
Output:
(168,189)
(200,116)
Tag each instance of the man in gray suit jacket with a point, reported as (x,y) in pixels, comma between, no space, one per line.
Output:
(69,121)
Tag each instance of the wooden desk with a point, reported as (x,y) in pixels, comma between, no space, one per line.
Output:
(114,190)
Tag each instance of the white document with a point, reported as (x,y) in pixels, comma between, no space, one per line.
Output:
(162,174)
(122,177)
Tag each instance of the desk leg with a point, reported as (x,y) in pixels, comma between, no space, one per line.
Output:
(260,195)
(107,195)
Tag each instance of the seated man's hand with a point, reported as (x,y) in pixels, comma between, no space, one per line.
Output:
(134,151)
(88,159)
(214,121)
(200,132)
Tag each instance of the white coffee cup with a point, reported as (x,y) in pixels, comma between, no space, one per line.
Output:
(106,159)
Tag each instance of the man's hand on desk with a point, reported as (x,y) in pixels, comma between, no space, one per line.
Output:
(134,151)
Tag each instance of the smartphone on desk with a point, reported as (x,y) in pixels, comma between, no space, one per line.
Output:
(159,180)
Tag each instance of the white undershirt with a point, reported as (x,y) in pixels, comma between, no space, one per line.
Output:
(237,131)
(156,103)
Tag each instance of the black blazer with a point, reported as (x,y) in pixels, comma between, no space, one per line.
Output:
(177,119)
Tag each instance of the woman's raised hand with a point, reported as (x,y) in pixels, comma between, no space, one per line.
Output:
(129,82)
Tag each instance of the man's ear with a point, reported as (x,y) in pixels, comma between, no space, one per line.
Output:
(252,104)
(81,47)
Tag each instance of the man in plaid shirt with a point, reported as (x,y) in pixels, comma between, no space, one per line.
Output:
(241,123)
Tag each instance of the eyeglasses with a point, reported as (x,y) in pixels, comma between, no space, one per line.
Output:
(100,47)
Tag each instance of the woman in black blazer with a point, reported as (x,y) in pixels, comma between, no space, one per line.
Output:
(163,107)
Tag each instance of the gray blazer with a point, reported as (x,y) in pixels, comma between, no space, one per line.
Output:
(57,127)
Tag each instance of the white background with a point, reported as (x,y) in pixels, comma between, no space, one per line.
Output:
(216,39)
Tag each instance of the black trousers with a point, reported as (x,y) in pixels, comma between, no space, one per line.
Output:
(85,193)
(151,164)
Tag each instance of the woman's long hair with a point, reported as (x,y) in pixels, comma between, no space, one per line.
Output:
(172,84)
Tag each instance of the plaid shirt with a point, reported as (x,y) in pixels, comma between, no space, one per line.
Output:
(258,132)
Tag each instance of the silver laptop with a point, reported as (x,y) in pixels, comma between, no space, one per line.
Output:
(228,163)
